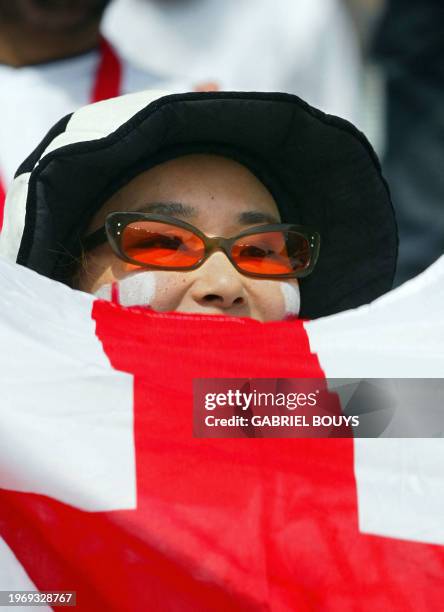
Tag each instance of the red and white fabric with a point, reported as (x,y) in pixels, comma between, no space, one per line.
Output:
(35,97)
(105,491)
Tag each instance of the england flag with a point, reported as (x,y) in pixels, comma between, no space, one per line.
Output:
(105,491)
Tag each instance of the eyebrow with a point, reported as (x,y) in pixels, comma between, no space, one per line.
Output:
(178,209)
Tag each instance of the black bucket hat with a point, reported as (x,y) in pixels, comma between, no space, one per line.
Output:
(321,170)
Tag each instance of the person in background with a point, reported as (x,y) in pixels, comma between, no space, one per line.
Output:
(52,61)
(306,47)
(409,46)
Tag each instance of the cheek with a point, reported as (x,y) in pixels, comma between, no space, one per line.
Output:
(276,300)
(137,289)
(170,289)
(160,290)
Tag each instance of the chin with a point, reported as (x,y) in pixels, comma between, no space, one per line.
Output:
(60,14)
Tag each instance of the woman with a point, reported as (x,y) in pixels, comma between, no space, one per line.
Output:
(266,172)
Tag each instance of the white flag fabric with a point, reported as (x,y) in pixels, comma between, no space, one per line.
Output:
(104,490)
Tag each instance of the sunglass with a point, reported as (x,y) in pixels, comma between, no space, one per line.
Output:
(165,243)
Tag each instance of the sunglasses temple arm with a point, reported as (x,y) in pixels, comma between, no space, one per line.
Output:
(95,239)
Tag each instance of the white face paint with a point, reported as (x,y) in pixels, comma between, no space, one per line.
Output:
(104,292)
(292,298)
(137,289)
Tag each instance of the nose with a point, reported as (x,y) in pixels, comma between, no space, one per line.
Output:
(218,283)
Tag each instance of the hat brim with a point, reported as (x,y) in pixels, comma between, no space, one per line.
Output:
(331,180)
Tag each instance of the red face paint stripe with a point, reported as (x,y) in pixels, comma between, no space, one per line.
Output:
(115,296)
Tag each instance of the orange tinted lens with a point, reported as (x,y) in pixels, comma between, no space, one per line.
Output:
(152,243)
(272,253)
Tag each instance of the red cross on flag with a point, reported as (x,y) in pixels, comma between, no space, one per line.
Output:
(105,491)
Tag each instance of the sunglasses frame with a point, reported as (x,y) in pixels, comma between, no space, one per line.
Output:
(116,222)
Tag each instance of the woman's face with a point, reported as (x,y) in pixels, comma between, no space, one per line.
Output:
(221,198)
